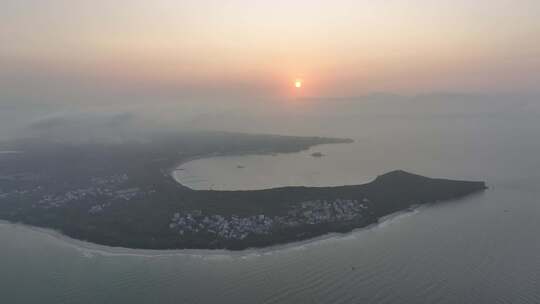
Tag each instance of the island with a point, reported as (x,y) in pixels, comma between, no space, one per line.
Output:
(122,193)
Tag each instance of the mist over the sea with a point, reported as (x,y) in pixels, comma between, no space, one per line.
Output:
(132,119)
(477,250)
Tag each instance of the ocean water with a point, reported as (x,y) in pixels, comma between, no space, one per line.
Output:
(481,249)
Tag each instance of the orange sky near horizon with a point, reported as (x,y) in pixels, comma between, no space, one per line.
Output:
(338,48)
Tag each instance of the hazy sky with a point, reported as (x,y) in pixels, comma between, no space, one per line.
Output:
(74,49)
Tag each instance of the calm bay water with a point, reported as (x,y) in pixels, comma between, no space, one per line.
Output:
(482,249)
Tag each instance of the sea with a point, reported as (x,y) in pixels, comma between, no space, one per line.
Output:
(483,248)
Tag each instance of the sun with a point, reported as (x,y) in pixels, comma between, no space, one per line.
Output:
(298,83)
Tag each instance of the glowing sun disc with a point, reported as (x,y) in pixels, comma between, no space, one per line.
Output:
(298,84)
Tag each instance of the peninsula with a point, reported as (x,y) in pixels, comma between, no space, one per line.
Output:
(122,194)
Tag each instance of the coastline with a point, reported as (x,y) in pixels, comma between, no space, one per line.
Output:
(170,171)
(271,218)
(291,244)
(95,248)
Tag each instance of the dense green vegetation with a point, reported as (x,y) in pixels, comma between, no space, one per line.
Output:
(121,194)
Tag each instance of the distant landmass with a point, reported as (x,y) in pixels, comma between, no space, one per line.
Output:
(122,194)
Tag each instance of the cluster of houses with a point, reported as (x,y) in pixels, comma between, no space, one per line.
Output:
(109,180)
(230,228)
(103,191)
(237,228)
(323,211)
(19,192)
(13,193)
(98,194)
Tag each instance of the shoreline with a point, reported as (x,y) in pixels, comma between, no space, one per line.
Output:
(393,193)
(175,167)
(90,247)
(107,250)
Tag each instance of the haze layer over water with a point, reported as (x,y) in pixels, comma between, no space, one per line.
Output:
(483,249)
